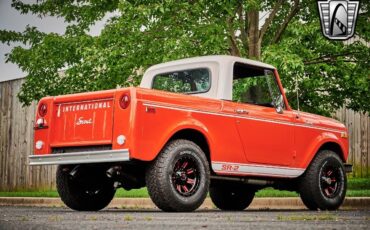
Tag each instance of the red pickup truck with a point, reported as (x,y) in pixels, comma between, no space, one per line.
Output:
(216,124)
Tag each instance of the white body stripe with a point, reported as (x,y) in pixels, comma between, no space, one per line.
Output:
(310,126)
(253,169)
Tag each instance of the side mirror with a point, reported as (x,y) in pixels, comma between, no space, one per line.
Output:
(279,102)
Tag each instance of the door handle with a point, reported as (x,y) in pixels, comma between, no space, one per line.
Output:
(241,111)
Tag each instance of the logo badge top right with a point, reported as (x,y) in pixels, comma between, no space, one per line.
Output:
(338,18)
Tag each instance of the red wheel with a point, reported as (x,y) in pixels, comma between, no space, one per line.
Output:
(330,180)
(185,176)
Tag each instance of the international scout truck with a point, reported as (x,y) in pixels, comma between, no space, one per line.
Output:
(216,124)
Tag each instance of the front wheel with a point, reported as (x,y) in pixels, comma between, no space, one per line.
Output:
(178,179)
(89,189)
(324,184)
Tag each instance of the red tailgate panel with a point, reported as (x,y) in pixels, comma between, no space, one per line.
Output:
(83,123)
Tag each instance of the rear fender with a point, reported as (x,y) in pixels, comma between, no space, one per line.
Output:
(172,129)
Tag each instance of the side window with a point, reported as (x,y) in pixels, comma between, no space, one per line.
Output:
(186,81)
(254,85)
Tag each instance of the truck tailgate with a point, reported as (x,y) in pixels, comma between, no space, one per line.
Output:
(86,121)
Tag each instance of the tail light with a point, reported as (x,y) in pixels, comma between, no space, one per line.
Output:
(124,101)
(43,109)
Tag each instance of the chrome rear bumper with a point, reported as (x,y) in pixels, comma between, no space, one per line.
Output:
(81,157)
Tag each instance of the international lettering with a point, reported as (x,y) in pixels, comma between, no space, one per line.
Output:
(86,107)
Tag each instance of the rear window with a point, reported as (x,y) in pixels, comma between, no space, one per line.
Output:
(185,81)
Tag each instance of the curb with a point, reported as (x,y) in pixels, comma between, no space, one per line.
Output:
(272,203)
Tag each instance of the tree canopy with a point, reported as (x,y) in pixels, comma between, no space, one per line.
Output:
(286,34)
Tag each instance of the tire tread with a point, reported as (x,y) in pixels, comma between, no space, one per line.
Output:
(308,187)
(158,187)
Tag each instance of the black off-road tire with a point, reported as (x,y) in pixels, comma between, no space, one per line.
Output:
(89,190)
(231,197)
(164,175)
(323,186)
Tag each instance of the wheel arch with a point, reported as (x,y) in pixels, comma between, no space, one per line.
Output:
(333,146)
(195,136)
(325,141)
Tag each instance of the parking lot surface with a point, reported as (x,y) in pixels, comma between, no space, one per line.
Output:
(64,218)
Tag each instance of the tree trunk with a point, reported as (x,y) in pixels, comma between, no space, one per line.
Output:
(254,43)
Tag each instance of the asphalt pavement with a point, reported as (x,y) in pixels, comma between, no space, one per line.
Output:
(117,218)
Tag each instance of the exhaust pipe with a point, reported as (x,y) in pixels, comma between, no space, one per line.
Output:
(114,171)
(74,172)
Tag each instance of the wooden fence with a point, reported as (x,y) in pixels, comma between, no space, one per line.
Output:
(16,132)
(358,125)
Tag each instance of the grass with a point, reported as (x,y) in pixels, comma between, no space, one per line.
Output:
(128,218)
(54,218)
(148,218)
(135,193)
(358,183)
(307,217)
(29,194)
(357,187)
(270,192)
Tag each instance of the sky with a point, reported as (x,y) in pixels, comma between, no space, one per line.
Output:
(11,19)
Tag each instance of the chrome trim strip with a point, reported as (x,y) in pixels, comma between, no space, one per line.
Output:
(254,169)
(81,157)
(310,126)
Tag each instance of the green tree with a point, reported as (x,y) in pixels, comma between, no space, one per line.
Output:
(286,34)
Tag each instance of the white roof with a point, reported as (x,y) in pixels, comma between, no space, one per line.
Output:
(221,59)
(221,71)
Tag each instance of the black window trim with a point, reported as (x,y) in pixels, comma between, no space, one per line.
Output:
(263,68)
